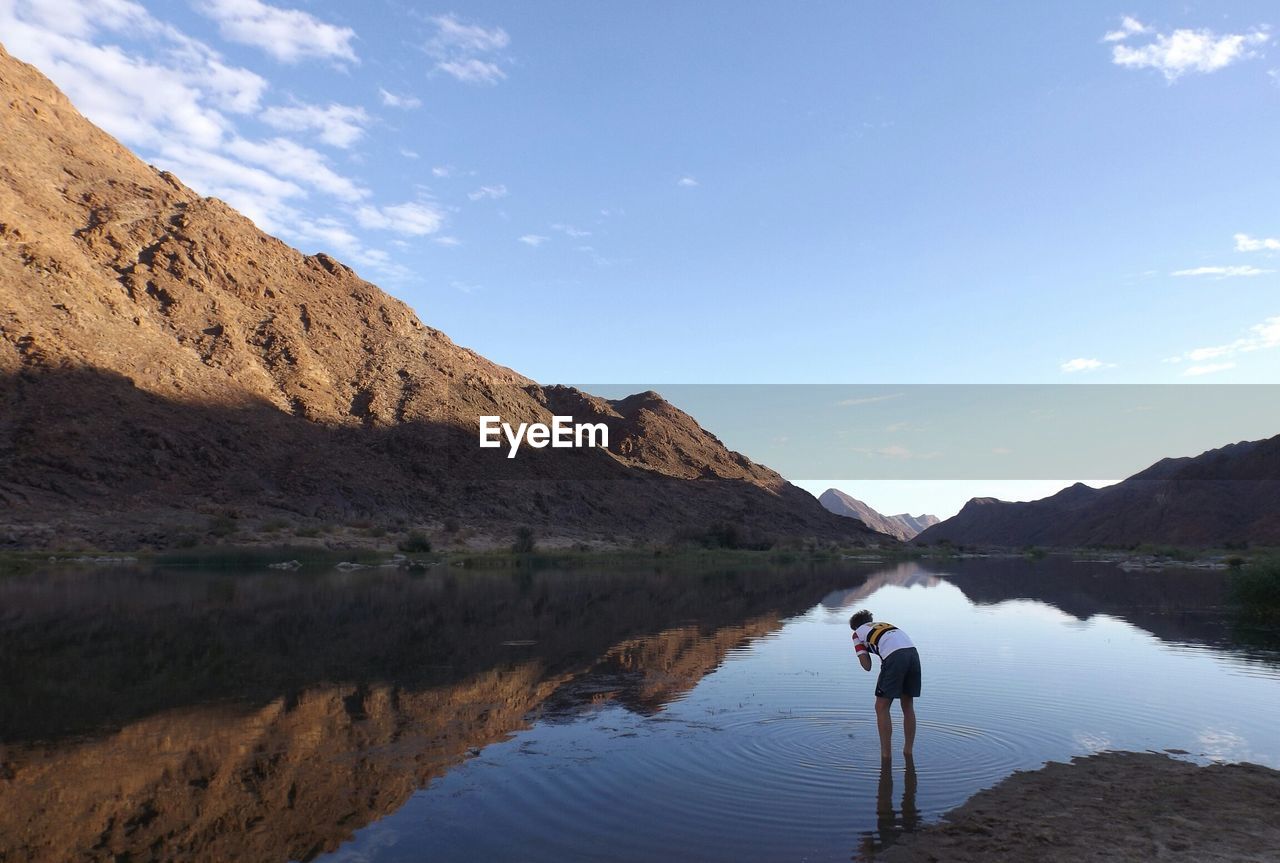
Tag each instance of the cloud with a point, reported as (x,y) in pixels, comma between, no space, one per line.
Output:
(178,103)
(896,452)
(395,100)
(289,159)
(1085,364)
(1223,272)
(1208,369)
(336,125)
(1263,336)
(534,240)
(289,35)
(1246,243)
(442,171)
(867,400)
(468,52)
(1174,54)
(446,241)
(570,230)
(1129,26)
(687,182)
(493,193)
(413,219)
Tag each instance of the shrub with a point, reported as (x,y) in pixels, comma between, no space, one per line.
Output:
(1256,589)
(451,525)
(524,541)
(415,542)
(222,525)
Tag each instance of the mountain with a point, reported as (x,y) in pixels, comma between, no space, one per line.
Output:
(166,366)
(902,526)
(1225,496)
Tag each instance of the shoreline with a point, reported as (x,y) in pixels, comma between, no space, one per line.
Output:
(1110,806)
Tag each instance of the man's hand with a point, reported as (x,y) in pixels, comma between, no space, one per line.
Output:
(865,659)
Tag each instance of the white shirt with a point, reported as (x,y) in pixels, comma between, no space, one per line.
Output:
(879,638)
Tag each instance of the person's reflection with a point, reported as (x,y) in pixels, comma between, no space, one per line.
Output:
(889,825)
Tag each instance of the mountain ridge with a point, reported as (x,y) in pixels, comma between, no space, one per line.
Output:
(1224,496)
(903,526)
(167,363)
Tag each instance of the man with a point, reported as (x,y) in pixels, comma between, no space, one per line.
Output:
(899,676)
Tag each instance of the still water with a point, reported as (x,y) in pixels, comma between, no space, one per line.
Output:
(382,715)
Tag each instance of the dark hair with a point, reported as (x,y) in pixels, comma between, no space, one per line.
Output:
(859,618)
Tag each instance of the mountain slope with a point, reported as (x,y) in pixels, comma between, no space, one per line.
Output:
(903,526)
(1224,496)
(163,361)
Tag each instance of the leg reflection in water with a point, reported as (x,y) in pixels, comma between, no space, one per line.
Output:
(890,824)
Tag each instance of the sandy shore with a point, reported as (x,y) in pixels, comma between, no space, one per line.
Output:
(1114,806)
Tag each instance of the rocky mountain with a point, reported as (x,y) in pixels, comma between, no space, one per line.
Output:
(164,365)
(1225,496)
(902,526)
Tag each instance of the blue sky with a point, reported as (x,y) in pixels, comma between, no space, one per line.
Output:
(671,192)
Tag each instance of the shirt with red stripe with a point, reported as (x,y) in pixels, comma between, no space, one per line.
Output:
(891,640)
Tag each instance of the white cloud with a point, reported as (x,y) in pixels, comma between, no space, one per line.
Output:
(1223,272)
(289,35)
(468,52)
(446,241)
(176,101)
(687,182)
(336,125)
(896,452)
(442,171)
(570,230)
(1208,369)
(407,153)
(302,164)
(1246,243)
(1174,54)
(534,240)
(1129,26)
(397,100)
(493,193)
(1263,336)
(867,400)
(1085,364)
(413,219)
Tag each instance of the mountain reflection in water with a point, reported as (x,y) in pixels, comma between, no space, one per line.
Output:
(152,714)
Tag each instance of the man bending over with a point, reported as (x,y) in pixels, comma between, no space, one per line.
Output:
(899,676)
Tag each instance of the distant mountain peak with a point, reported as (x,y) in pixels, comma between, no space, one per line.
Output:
(902,526)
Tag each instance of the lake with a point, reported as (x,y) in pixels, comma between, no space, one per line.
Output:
(630,714)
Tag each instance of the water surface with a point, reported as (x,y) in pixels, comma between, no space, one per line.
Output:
(628,715)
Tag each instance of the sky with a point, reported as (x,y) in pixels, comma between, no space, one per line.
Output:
(738,193)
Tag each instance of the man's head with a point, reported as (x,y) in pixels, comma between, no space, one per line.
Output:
(859,618)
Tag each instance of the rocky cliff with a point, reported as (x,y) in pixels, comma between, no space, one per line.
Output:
(163,363)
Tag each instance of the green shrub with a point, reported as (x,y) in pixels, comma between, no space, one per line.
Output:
(524,541)
(415,543)
(222,526)
(1256,589)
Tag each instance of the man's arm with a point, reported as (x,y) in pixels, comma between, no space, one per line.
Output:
(863,656)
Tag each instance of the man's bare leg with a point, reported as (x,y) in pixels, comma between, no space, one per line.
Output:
(908,725)
(884,722)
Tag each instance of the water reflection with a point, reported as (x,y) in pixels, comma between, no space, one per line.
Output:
(892,823)
(160,715)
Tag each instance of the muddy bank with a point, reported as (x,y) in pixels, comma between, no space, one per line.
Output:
(1114,806)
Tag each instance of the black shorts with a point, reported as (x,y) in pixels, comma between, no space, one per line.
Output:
(899,674)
